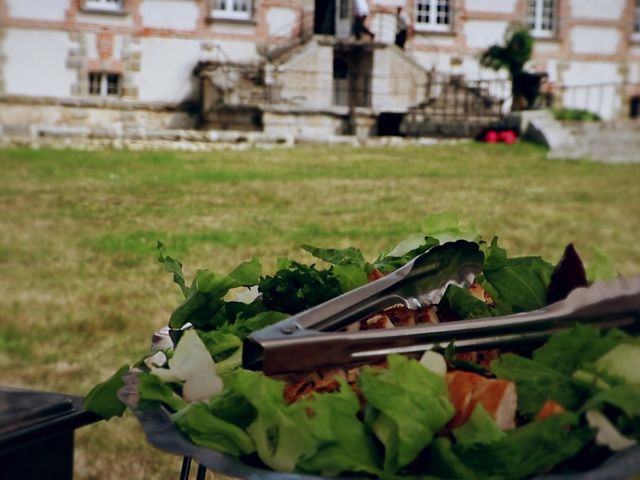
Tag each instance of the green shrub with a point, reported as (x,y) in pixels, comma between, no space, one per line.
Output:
(575,114)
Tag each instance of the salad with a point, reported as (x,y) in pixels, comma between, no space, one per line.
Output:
(565,406)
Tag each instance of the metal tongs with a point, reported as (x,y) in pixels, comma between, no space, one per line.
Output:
(317,339)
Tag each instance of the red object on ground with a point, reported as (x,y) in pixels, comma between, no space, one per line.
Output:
(508,136)
(491,136)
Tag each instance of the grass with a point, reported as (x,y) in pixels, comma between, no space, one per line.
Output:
(81,291)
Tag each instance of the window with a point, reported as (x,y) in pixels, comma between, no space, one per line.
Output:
(542,17)
(636,22)
(106,5)
(104,84)
(433,15)
(233,9)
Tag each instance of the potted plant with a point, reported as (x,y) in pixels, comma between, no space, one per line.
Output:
(512,56)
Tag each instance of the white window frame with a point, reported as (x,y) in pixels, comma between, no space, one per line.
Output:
(229,13)
(538,9)
(432,24)
(104,89)
(635,32)
(104,5)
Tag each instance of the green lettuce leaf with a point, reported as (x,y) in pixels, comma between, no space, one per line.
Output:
(103,398)
(443,462)
(621,362)
(479,429)
(407,406)
(206,430)
(601,266)
(447,227)
(220,344)
(343,443)
(338,256)
(536,383)
(172,265)
(233,408)
(483,447)
(247,273)
(278,438)
(545,443)
(350,276)
(568,350)
(349,265)
(482,451)
(322,435)
(153,390)
(624,397)
(205,297)
(243,327)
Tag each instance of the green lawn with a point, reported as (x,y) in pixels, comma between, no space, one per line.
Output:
(81,291)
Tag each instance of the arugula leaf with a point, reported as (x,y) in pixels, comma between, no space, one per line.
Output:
(152,390)
(464,304)
(172,265)
(203,428)
(536,383)
(522,282)
(407,406)
(495,256)
(103,398)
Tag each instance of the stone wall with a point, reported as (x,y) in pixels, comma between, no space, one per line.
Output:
(27,117)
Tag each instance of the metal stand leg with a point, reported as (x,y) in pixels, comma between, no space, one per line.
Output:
(186,468)
(202,472)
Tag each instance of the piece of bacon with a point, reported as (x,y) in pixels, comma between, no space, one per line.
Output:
(467,389)
(549,409)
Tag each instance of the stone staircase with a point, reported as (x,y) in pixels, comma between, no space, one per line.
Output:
(609,142)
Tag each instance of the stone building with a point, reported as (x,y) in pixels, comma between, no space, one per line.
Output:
(113,67)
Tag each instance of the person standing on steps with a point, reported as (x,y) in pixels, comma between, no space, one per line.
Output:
(361,11)
(401,28)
